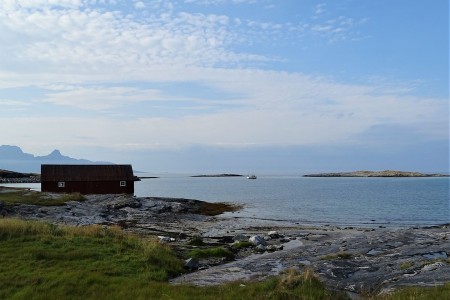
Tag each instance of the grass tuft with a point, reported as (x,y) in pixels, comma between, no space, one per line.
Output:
(417,293)
(406,265)
(341,255)
(211,252)
(242,244)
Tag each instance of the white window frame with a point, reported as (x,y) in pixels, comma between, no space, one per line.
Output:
(61,184)
(123,183)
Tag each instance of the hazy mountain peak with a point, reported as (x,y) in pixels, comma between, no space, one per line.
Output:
(14,159)
(55,153)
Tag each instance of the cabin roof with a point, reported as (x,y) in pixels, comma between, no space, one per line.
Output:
(86,172)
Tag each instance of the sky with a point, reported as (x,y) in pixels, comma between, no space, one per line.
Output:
(275,86)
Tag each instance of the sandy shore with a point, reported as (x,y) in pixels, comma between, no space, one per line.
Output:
(356,260)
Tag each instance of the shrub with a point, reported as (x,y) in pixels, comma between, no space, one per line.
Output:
(196,241)
(242,244)
(211,252)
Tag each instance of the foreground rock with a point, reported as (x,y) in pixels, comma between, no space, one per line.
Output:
(358,261)
(149,215)
(354,260)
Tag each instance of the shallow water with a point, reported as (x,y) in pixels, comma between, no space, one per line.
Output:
(390,202)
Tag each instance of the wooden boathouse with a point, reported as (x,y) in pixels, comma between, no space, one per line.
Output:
(87,179)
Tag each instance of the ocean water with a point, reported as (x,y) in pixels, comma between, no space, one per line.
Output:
(390,202)
(365,202)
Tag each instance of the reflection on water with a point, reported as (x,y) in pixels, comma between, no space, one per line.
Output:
(390,202)
(339,201)
(31,186)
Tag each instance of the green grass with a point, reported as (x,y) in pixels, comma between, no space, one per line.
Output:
(341,255)
(242,244)
(45,261)
(21,196)
(211,252)
(406,265)
(74,262)
(419,293)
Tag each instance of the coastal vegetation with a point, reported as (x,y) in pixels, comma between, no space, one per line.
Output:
(341,255)
(12,196)
(242,244)
(211,252)
(215,208)
(42,260)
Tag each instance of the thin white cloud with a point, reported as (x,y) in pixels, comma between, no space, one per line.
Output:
(319,9)
(78,37)
(14,103)
(139,5)
(58,40)
(277,109)
(21,4)
(217,2)
(88,58)
(100,98)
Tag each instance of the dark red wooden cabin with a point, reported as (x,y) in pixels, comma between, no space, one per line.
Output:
(87,179)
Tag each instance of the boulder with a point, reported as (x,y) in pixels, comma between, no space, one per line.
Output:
(273,234)
(261,248)
(166,239)
(272,248)
(240,238)
(257,240)
(191,264)
(433,266)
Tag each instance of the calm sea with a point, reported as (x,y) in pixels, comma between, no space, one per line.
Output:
(390,202)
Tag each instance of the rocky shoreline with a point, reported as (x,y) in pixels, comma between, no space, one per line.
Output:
(385,173)
(16,177)
(356,260)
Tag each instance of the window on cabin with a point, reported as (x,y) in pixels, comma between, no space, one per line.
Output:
(123,183)
(61,184)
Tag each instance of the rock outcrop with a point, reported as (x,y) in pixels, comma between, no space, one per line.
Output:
(386,173)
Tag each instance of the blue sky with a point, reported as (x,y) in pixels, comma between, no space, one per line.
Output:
(229,85)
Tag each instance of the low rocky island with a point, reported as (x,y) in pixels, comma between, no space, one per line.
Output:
(385,173)
(218,175)
(17,177)
(355,260)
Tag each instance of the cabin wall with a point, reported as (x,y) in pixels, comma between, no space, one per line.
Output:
(89,187)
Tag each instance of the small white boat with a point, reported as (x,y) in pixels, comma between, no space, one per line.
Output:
(251,176)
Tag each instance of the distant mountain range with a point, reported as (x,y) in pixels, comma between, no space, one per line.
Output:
(14,159)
